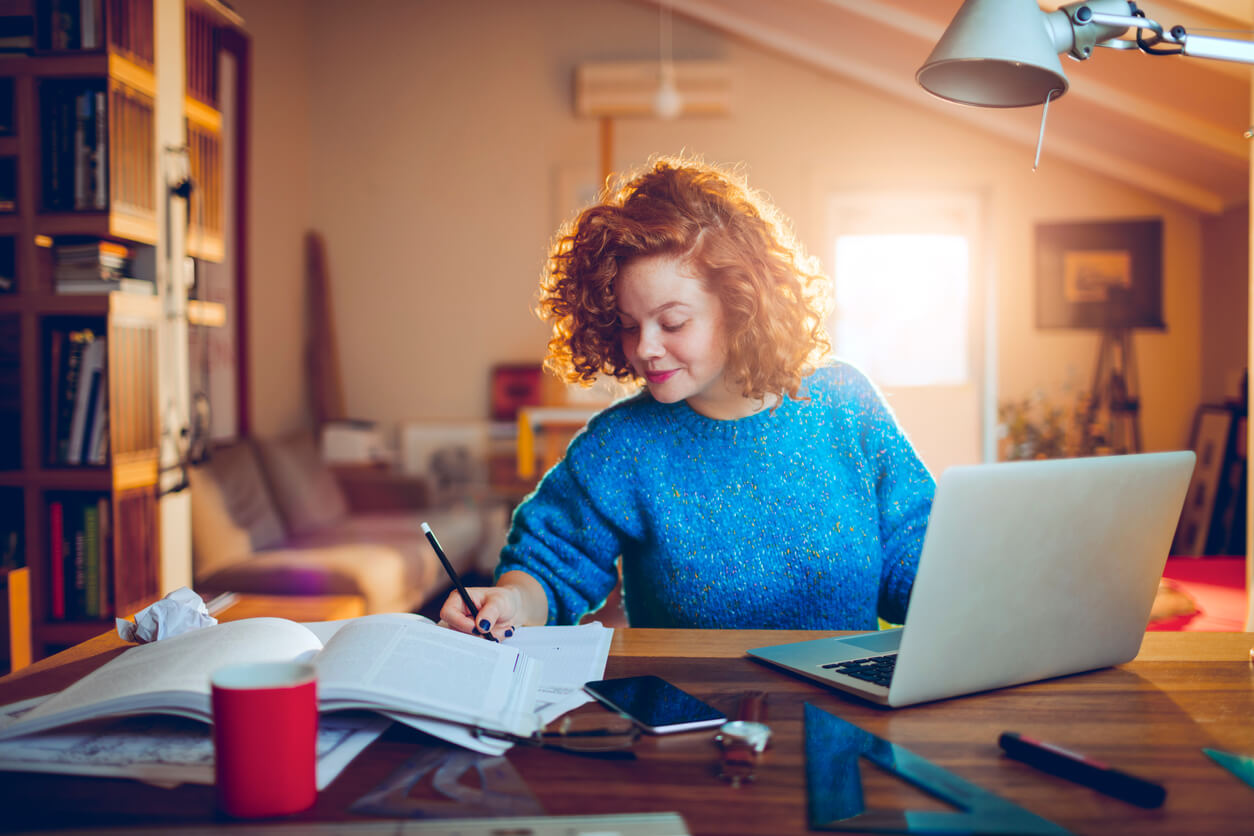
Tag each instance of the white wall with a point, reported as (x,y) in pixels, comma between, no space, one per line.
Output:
(1225,299)
(280,207)
(427,142)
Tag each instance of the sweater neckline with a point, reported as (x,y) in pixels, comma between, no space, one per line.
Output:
(699,424)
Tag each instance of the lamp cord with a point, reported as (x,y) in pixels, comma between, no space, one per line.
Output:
(1040,140)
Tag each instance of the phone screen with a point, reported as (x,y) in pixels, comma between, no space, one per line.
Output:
(657,705)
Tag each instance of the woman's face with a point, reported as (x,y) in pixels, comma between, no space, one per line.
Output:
(672,333)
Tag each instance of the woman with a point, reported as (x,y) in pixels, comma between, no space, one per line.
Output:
(746,485)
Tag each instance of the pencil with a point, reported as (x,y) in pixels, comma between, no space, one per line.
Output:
(457,582)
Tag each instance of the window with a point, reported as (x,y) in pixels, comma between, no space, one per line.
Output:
(902,270)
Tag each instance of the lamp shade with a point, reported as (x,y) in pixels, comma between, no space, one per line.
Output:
(995,53)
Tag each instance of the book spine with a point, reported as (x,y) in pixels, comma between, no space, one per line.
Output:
(90,29)
(73,352)
(104,536)
(101,151)
(91,416)
(91,549)
(93,447)
(82,115)
(56,561)
(100,447)
(56,341)
(78,548)
(51,147)
(90,363)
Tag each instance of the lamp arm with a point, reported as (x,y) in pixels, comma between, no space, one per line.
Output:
(1108,26)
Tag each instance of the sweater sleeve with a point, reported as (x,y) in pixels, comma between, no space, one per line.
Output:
(903,489)
(563,537)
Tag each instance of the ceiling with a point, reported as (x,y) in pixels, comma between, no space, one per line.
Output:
(1172,125)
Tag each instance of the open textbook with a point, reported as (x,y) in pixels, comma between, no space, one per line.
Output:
(399,664)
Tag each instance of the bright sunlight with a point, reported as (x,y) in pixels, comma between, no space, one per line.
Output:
(902,307)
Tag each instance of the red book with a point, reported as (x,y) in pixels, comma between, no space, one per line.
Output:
(57,558)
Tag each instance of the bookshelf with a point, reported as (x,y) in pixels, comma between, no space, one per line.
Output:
(79,439)
(204,21)
(215,70)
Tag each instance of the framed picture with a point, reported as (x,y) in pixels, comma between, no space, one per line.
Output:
(1105,275)
(514,386)
(1212,428)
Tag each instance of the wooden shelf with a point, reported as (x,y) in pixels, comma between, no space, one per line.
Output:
(116,224)
(206,314)
(77,478)
(85,135)
(82,64)
(66,633)
(224,14)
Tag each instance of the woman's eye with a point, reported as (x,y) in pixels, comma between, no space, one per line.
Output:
(673,326)
(628,329)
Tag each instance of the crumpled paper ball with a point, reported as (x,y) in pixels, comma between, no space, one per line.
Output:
(179,612)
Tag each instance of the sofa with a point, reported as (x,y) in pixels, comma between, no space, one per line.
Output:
(269,517)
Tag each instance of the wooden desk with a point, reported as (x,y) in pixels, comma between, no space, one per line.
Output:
(1152,716)
(293,607)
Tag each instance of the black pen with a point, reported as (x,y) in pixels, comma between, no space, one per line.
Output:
(1075,767)
(457,582)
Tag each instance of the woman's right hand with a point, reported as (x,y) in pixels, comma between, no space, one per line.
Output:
(498,607)
(515,601)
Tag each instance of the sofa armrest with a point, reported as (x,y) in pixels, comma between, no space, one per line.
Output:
(369,488)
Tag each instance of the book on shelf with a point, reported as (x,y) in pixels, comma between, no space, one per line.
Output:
(98,250)
(64,389)
(8,186)
(78,398)
(17,33)
(72,24)
(90,373)
(399,664)
(56,561)
(121,284)
(74,122)
(79,556)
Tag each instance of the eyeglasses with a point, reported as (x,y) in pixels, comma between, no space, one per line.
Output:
(587,735)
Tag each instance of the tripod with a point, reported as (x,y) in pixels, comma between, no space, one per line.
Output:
(1114,389)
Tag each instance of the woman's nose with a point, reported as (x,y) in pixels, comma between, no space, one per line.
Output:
(650,345)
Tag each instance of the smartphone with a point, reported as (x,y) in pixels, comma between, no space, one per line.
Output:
(654,704)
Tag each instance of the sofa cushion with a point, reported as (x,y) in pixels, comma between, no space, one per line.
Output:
(232,515)
(380,574)
(459,531)
(303,487)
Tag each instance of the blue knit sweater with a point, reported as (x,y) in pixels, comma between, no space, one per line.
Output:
(808,517)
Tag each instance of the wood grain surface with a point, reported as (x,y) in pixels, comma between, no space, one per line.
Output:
(1152,717)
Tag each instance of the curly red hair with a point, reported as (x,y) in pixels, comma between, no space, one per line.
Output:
(773,296)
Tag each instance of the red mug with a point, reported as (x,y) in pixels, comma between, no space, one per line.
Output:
(265,735)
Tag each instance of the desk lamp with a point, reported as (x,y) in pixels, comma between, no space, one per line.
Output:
(1004,53)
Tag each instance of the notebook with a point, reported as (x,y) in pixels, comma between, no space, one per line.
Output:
(1029,570)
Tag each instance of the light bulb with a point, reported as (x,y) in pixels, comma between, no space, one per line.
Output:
(667,103)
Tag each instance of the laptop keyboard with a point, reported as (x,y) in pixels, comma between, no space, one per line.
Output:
(876,669)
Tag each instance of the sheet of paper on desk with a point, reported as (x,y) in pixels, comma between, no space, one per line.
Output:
(163,750)
(569,656)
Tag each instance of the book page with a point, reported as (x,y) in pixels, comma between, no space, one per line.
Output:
(170,676)
(407,664)
(571,655)
(162,750)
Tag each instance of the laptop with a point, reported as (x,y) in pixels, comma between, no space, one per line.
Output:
(1029,570)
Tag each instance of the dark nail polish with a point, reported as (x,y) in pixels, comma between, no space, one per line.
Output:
(484,624)
(509,631)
